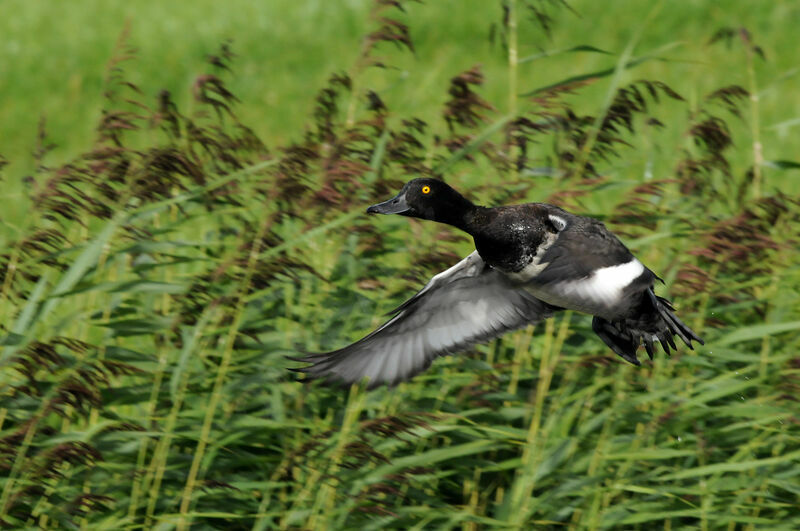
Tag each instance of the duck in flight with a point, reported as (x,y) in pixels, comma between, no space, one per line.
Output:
(531,261)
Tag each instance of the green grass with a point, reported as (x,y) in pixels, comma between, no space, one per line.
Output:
(152,287)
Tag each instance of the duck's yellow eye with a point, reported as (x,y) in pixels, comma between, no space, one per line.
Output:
(426,190)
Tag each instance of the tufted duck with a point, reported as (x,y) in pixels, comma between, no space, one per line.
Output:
(531,261)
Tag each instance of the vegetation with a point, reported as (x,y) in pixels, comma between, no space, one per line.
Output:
(153,284)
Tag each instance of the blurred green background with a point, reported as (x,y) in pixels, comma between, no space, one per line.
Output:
(54,57)
(144,382)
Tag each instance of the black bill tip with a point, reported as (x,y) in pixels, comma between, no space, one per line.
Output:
(395,205)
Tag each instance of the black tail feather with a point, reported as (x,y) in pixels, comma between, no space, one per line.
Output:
(676,326)
(671,342)
(620,342)
(657,322)
(648,346)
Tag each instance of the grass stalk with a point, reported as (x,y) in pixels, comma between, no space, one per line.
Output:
(141,473)
(152,480)
(513,57)
(524,483)
(222,372)
(522,355)
(326,495)
(152,403)
(92,255)
(755,120)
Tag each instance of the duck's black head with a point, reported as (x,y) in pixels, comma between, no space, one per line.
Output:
(427,199)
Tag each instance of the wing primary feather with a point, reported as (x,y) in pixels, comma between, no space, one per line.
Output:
(466,304)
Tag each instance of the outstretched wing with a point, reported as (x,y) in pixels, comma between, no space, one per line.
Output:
(467,304)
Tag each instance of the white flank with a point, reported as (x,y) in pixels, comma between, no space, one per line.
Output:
(595,294)
(615,278)
(605,285)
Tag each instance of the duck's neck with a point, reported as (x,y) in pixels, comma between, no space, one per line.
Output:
(458,211)
(467,217)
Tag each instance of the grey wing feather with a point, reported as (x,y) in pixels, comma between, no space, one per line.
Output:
(467,304)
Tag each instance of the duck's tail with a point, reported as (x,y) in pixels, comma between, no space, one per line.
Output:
(656,322)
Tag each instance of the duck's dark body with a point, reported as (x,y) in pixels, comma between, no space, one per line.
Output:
(507,238)
(531,260)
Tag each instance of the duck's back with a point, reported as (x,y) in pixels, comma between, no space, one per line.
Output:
(563,259)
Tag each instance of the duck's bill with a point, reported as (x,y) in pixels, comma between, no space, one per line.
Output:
(395,205)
